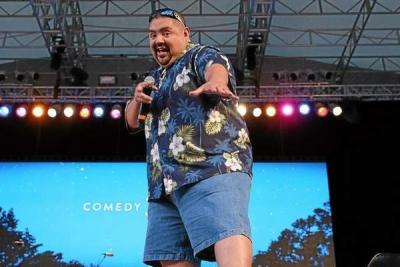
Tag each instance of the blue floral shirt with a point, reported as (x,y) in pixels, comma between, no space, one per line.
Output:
(192,138)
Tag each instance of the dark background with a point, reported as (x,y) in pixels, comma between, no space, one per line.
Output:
(361,149)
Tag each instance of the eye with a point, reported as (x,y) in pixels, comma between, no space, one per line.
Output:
(166,33)
(152,35)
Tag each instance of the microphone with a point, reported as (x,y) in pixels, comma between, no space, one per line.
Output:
(145,108)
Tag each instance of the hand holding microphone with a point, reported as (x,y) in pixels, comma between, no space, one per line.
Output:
(143,90)
(143,95)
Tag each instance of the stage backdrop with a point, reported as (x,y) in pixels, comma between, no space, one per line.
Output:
(94,214)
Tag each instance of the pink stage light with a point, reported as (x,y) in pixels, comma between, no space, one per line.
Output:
(287,109)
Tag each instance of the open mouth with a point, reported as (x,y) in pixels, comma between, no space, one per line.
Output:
(162,52)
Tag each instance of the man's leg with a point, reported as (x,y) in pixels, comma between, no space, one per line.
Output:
(177,264)
(234,251)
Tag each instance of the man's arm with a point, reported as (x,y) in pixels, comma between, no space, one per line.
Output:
(132,110)
(216,83)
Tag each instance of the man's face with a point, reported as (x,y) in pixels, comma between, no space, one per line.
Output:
(168,40)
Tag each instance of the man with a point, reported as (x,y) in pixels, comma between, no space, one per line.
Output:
(198,152)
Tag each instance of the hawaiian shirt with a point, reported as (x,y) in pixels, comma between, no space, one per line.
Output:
(189,139)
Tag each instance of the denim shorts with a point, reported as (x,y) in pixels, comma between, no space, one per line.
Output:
(188,224)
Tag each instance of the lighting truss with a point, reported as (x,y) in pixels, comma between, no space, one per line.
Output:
(247,94)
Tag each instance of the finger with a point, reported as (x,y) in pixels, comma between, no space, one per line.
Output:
(146,84)
(145,98)
(197,92)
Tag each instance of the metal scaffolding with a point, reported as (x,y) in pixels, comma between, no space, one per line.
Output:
(363,34)
(248,94)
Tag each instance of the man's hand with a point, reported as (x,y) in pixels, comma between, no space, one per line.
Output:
(215,88)
(140,96)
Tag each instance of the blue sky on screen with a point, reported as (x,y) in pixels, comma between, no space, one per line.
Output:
(85,209)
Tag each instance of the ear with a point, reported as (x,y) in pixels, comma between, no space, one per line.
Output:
(186,32)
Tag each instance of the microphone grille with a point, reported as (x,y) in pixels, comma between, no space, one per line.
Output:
(150,79)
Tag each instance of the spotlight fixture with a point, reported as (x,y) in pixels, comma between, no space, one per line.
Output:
(5,110)
(242,109)
(98,111)
(311,76)
(294,76)
(53,110)
(304,108)
(21,111)
(38,111)
(3,76)
(116,111)
(279,76)
(79,76)
(327,75)
(321,110)
(69,111)
(85,112)
(19,76)
(257,112)
(107,79)
(287,109)
(270,110)
(35,75)
(134,76)
(336,110)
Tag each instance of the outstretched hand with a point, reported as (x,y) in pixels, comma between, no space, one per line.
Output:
(215,88)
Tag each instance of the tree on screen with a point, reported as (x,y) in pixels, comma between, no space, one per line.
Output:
(19,248)
(308,243)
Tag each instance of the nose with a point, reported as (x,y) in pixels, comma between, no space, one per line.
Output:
(158,39)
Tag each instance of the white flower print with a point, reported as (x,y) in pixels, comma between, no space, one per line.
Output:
(233,162)
(161,127)
(162,122)
(182,78)
(169,185)
(243,136)
(176,145)
(147,125)
(216,116)
(155,153)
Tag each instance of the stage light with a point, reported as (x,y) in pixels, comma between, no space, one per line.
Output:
(287,109)
(107,79)
(294,76)
(21,111)
(79,76)
(270,111)
(304,109)
(53,110)
(278,76)
(19,76)
(69,111)
(38,111)
(116,111)
(242,109)
(321,110)
(3,76)
(98,111)
(35,76)
(327,75)
(311,76)
(85,112)
(257,112)
(336,110)
(5,110)
(134,76)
